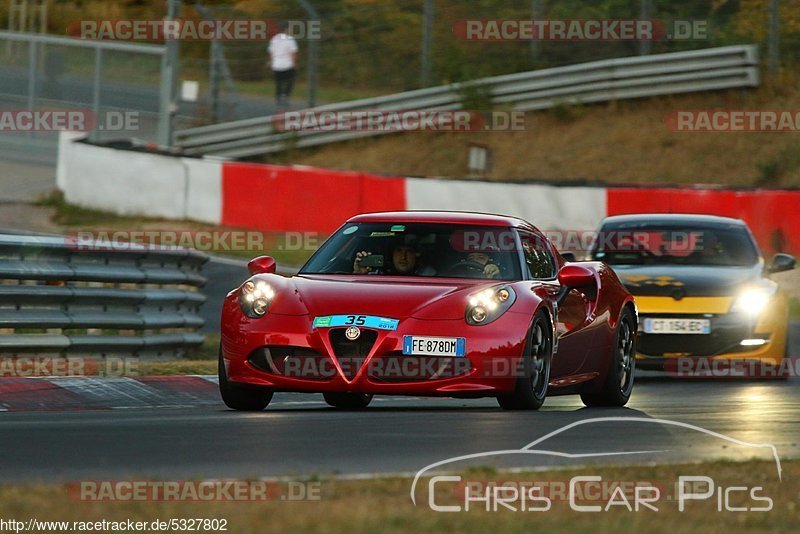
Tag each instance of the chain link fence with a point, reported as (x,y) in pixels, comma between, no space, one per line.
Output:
(110,90)
(371,48)
(367,48)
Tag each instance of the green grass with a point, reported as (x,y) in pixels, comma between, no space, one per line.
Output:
(70,216)
(209,350)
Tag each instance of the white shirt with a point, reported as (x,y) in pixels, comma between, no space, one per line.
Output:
(281,48)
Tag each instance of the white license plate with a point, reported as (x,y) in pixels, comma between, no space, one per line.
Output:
(434,346)
(677,326)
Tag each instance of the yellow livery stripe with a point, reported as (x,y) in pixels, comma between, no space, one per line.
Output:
(648,305)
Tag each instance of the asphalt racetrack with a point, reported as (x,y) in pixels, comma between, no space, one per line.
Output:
(299,436)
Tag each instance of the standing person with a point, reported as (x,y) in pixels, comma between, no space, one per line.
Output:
(282,57)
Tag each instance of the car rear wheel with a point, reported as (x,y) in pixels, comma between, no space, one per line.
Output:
(619,380)
(238,397)
(348,401)
(530,388)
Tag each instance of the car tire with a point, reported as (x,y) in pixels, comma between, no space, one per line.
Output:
(348,401)
(238,397)
(618,386)
(530,389)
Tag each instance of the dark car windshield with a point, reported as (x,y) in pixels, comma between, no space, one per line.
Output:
(648,244)
(419,249)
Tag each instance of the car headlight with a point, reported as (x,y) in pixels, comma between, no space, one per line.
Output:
(752,301)
(488,305)
(255,298)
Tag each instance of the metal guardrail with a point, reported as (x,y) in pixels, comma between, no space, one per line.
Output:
(598,81)
(67,296)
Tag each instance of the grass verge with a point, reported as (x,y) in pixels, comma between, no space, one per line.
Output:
(288,249)
(614,142)
(178,367)
(384,505)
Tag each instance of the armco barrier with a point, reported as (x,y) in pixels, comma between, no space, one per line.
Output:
(276,198)
(598,81)
(67,296)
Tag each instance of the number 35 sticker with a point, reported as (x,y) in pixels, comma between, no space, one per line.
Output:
(368,321)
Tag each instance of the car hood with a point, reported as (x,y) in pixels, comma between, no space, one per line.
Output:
(393,297)
(686,280)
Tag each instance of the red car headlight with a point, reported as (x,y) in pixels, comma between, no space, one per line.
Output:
(255,296)
(489,304)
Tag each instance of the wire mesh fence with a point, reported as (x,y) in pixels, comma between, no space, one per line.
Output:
(109,90)
(365,48)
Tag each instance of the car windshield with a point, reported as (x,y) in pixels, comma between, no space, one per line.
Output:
(419,249)
(648,244)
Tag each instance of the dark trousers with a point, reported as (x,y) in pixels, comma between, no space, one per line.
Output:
(284,81)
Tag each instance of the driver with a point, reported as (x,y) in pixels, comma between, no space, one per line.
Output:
(490,269)
(479,262)
(707,249)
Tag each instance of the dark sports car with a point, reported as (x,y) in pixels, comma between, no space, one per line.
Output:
(430,303)
(703,292)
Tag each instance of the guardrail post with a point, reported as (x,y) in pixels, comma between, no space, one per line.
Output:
(98,69)
(645,46)
(773,37)
(427,36)
(169,76)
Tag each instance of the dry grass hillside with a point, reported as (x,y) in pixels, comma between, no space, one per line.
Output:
(624,141)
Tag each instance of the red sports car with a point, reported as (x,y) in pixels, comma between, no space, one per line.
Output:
(430,303)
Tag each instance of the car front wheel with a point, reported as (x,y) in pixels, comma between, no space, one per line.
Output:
(618,386)
(530,388)
(238,397)
(348,401)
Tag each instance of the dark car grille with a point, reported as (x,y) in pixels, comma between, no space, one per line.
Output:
(398,367)
(292,362)
(725,337)
(351,354)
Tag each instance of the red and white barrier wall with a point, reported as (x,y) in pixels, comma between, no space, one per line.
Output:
(296,198)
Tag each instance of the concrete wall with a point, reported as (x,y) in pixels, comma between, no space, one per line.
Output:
(297,198)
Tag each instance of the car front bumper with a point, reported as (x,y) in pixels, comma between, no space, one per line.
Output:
(734,336)
(285,353)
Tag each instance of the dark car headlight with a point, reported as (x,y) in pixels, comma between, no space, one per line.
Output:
(489,304)
(753,300)
(255,296)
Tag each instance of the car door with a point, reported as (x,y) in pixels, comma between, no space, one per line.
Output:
(573,315)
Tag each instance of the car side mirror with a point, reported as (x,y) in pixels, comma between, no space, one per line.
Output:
(568,256)
(781,262)
(262,265)
(576,277)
